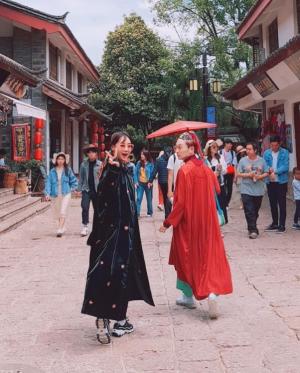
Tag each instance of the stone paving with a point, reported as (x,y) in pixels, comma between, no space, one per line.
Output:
(42,282)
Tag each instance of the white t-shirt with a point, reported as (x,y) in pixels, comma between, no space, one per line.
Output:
(214,163)
(174,164)
(274,164)
(59,176)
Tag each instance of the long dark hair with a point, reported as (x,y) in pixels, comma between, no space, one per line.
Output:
(209,155)
(66,167)
(148,157)
(117,136)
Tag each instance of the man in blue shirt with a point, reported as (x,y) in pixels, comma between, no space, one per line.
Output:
(277,159)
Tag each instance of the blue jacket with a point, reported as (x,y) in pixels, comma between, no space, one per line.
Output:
(148,169)
(69,183)
(161,169)
(83,184)
(282,164)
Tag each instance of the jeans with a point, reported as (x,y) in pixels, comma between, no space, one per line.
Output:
(228,183)
(297,212)
(143,187)
(167,202)
(86,199)
(277,197)
(251,205)
(222,201)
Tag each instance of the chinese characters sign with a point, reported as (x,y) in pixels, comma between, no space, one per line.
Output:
(20,142)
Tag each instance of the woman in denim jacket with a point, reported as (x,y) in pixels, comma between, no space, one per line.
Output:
(142,175)
(61,181)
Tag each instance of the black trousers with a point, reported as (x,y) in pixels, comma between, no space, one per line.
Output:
(251,205)
(86,199)
(297,212)
(223,203)
(167,202)
(228,183)
(277,197)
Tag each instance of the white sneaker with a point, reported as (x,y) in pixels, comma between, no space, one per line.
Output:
(60,232)
(84,231)
(213,306)
(185,301)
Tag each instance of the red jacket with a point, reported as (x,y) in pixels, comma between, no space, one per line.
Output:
(197,249)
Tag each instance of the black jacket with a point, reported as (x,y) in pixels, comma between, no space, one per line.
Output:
(117,271)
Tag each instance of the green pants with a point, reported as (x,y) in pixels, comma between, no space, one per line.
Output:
(184,287)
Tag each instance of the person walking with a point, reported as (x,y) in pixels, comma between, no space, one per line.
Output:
(240,153)
(252,170)
(197,249)
(296,191)
(174,165)
(217,163)
(142,176)
(231,161)
(117,271)
(88,182)
(160,169)
(277,159)
(60,183)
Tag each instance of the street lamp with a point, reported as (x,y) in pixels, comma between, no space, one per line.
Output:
(216,87)
(193,84)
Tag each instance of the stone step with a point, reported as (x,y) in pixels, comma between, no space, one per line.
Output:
(21,216)
(19,206)
(10,199)
(6,191)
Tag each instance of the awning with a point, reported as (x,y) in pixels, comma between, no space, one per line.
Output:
(26,110)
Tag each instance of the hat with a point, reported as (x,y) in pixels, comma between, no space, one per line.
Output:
(239,149)
(219,142)
(90,147)
(209,144)
(56,155)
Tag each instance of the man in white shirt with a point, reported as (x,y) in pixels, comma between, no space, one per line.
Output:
(231,161)
(173,166)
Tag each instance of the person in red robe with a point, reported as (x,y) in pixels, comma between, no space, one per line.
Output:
(197,249)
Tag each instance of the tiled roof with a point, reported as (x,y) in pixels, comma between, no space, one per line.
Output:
(240,89)
(19,71)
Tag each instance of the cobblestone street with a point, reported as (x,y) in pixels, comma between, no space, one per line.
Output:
(42,283)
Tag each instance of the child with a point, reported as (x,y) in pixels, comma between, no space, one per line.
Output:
(296,190)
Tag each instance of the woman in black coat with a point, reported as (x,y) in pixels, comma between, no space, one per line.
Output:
(117,272)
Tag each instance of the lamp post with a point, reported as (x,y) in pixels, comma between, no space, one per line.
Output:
(216,87)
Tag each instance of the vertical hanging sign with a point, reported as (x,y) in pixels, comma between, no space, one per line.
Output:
(211,118)
(20,142)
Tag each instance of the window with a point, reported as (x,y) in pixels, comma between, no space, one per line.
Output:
(53,62)
(273,36)
(69,75)
(80,83)
(298,14)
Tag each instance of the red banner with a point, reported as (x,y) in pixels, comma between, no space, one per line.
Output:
(20,142)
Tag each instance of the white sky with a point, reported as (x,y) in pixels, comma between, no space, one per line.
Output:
(91,20)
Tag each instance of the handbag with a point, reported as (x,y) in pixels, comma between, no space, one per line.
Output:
(230,169)
(220,212)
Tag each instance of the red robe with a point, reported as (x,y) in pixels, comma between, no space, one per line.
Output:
(197,249)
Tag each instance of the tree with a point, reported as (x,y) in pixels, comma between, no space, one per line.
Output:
(216,21)
(133,72)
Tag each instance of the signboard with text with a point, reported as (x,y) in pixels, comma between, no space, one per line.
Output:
(20,142)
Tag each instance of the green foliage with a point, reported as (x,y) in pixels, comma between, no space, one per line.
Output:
(133,70)
(215,21)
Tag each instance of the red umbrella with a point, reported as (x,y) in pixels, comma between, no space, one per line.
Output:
(180,127)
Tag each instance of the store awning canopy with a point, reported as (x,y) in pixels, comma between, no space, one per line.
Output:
(180,127)
(23,109)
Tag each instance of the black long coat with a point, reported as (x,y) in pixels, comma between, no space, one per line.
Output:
(117,272)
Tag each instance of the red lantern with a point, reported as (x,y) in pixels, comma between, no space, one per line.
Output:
(101,130)
(39,123)
(94,127)
(102,155)
(95,138)
(38,138)
(102,147)
(102,138)
(38,154)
